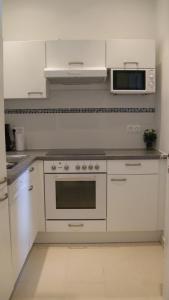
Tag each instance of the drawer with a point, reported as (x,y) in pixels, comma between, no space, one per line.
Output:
(76,226)
(133,166)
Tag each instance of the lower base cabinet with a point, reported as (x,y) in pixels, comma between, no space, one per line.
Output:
(6,276)
(23,219)
(132,202)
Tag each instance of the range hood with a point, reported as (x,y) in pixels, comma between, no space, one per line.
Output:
(76,75)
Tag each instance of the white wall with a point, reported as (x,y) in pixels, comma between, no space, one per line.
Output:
(163,72)
(79,19)
(163,109)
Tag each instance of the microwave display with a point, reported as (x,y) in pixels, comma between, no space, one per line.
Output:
(129,80)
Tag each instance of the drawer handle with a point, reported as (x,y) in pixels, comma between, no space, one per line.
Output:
(3,180)
(118,179)
(4,198)
(75,63)
(76,225)
(30,188)
(35,93)
(31,169)
(133,165)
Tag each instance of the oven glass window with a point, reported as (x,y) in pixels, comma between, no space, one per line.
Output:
(75,194)
(129,80)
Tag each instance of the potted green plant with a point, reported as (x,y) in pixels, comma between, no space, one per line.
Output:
(150,137)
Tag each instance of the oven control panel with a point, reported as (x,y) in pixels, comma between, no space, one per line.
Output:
(75,166)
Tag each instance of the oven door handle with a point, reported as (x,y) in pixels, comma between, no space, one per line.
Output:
(93,178)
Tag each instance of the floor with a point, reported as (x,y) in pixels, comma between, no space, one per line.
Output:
(104,272)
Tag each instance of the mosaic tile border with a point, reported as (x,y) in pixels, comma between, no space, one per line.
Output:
(81,110)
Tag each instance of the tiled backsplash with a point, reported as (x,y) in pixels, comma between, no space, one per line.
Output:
(81,110)
(82,118)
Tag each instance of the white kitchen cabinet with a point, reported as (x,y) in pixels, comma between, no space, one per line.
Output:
(75,53)
(34,194)
(132,202)
(6,280)
(130,53)
(2,129)
(23,219)
(141,166)
(24,64)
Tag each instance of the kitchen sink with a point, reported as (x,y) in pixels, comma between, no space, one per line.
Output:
(14,159)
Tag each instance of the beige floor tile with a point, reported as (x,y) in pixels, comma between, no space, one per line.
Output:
(102,272)
(84,266)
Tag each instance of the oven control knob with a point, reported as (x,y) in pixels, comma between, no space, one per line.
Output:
(97,167)
(84,167)
(90,167)
(77,167)
(66,167)
(53,168)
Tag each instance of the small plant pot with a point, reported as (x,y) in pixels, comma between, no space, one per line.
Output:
(149,145)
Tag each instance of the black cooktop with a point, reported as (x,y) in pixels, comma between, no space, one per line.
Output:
(76,152)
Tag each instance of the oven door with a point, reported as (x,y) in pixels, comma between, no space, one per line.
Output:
(75,196)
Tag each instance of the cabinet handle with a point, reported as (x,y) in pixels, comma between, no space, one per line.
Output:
(35,93)
(131,63)
(76,225)
(30,188)
(4,197)
(3,180)
(31,169)
(118,179)
(133,165)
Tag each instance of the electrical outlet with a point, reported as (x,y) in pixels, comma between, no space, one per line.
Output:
(133,128)
(137,128)
(129,128)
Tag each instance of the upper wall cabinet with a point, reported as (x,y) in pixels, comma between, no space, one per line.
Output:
(126,53)
(71,53)
(24,64)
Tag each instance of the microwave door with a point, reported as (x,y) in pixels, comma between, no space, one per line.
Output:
(128,81)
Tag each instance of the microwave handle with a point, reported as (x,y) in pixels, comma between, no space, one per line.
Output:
(131,63)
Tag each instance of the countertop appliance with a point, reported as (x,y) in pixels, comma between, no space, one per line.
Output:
(75,190)
(133,80)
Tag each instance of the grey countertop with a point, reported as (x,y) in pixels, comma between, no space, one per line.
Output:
(108,154)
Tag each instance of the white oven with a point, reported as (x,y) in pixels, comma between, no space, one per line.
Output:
(75,190)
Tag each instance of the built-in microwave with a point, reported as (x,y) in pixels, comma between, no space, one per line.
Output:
(133,81)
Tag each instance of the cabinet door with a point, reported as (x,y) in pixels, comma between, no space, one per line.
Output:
(2,129)
(126,53)
(20,221)
(33,196)
(132,202)
(6,283)
(60,54)
(24,64)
